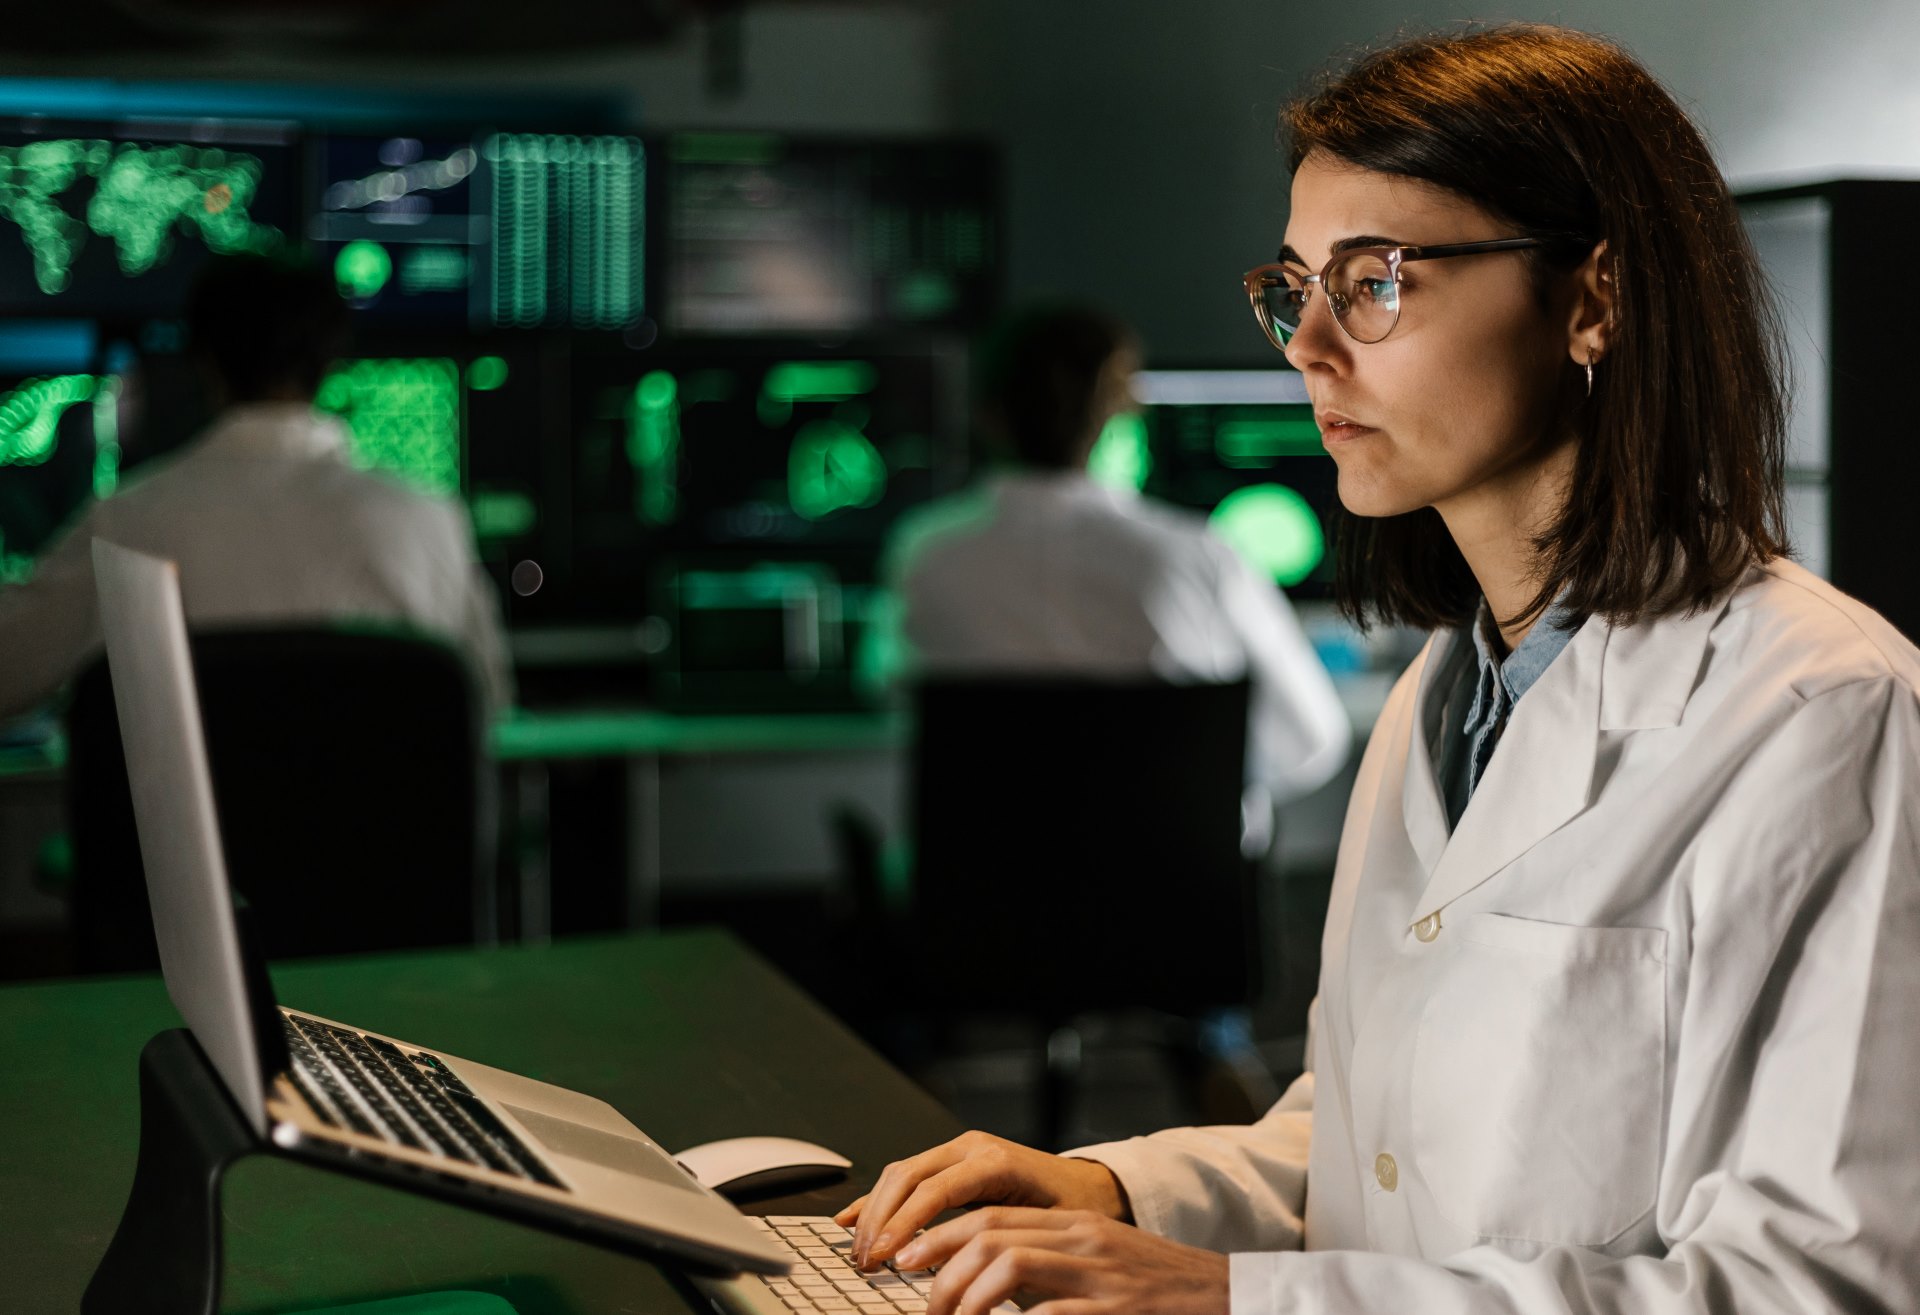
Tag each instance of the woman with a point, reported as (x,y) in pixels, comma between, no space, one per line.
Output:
(1623,957)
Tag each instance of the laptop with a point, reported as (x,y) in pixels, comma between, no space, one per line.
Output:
(319,1089)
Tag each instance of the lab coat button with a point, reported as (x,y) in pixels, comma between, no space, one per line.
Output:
(1427,928)
(1386,1172)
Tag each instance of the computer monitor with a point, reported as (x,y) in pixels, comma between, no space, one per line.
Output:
(758,447)
(732,499)
(489,229)
(58,421)
(111,220)
(770,234)
(1242,447)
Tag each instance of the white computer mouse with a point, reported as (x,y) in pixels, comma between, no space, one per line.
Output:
(740,1164)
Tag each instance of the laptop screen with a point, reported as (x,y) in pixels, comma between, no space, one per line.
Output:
(193,909)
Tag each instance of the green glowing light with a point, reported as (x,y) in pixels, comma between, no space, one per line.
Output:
(765,585)
(819,381)
(568,230)
(30,415)
(1274,528)
(486,374)
(1252,443)
(832,467)
(404,416)
(361,269)
(653,447)
(1121,458)
(433,268)
(143,195)
(502,513)
(106,437)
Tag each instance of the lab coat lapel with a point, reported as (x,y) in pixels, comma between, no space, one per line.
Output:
(1539,776)
(1421,808)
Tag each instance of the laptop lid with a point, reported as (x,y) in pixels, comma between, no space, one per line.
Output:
(220,986)
(193,913)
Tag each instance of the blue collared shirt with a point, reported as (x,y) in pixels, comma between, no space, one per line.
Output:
(1480,698)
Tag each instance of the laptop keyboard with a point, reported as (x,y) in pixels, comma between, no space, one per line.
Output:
(368,1085)
(824,1278)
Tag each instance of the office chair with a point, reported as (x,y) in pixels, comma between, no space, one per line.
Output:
(1077,849)
(354,792)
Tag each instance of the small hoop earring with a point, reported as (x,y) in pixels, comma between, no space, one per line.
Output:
(1589,374)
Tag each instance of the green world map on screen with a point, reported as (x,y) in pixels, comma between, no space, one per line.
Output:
(142,196)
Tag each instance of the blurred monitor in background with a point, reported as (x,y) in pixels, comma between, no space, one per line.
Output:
(728,500)
(1043,569)
(269,519)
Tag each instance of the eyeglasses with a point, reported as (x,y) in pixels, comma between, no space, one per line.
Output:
(1362,287)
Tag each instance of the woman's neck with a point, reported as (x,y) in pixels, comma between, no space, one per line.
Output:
(1495,525)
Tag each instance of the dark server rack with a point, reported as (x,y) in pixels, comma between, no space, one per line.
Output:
(1849,293)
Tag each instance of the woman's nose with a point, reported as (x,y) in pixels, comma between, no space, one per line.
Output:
(1318,339)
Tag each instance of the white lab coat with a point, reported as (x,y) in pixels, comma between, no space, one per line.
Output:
(1049,572)
(1643,1034)
(270,524)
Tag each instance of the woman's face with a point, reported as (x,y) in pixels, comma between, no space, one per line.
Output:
(1459,402)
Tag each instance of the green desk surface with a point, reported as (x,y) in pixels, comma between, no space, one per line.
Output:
(689,1034)
(613,733)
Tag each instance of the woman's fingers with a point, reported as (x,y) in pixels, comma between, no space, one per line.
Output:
(999,1262)
(850,1212)
(946,1190)
(938,1246)
(897,1182)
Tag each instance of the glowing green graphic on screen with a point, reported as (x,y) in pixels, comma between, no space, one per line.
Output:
(768,584)
(1274,528)
(653,447)
(106,437)
(30,415)
(433,268)
(486,373)
(143,197)
(568,230)
(404,415)
(1249,444)
(1121,458)
(501,513)
(811,381)
(361,269)
(833,466)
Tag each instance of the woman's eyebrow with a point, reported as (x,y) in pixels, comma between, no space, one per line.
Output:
(1288,256)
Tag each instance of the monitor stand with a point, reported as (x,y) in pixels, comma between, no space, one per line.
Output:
(165,1256)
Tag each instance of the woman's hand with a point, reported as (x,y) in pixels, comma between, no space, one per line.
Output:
(974,1167)
(1064,1261)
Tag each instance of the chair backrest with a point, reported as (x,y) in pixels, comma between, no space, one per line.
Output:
(1077,846)
(355,800)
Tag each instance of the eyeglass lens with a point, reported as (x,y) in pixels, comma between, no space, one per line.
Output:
(1360,290)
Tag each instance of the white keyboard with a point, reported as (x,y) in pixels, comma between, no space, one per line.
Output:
(824,1279)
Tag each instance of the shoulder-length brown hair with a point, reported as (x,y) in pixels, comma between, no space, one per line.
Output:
(1677,484)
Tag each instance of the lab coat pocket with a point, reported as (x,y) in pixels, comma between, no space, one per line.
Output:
(1539,1079)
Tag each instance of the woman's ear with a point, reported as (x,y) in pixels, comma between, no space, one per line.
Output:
(1590,326)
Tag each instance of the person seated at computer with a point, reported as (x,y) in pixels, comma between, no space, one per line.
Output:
(1043,570)
(265,514)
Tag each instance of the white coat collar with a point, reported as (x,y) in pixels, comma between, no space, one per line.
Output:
(281,430)
(1609,678)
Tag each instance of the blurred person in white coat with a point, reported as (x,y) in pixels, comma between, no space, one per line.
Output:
(268,517)
(1042,570)
(1618,1003)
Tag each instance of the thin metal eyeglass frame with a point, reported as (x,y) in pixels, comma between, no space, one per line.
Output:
(1267,276)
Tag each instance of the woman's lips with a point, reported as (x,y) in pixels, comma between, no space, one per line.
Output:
(1336,428)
